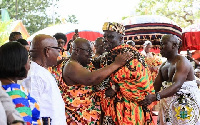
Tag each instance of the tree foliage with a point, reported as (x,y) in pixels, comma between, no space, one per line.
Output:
(4,33)
(72,19)
(183,12)
(33,13)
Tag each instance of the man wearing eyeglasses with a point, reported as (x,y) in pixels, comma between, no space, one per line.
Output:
(41,84)
(77,86)
(120,92)
(56,70)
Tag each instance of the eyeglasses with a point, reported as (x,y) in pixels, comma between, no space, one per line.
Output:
(87,50)
(58,48)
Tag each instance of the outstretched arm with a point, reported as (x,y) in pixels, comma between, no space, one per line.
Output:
(158,81)
(181,72)
(80,75)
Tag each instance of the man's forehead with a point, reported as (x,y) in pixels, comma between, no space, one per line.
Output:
(109,32)
(50,41)
(53,40)
(164,40)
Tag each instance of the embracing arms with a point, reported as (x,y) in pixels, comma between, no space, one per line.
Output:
(80,75)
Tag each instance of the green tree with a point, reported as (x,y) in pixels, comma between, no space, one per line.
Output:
(31,12)
(72,19)
(4,32)
(183,12)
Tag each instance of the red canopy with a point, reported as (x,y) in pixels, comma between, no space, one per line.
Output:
(191,41)
(88,32)
(191,37)
(89,35)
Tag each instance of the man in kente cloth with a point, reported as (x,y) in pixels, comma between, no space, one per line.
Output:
(120,92)
(81,104)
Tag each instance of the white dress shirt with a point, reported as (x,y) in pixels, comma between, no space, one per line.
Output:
(43,87)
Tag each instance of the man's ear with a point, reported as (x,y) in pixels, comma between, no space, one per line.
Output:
(175,45)
(46,52)
(76,51)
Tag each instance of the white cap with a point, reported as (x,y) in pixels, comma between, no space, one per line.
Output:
(197,70)
(147,43)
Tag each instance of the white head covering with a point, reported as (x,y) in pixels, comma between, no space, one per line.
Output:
(197,70)
(147,43)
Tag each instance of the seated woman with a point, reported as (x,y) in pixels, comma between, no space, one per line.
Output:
(14,65)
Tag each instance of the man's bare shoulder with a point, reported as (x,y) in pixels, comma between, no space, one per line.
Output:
(183,59)
(71,65)
(183,62)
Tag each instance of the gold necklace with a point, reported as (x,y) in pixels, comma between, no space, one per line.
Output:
(11,80)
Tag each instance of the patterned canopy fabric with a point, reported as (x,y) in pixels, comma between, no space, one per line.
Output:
(149,27)
(150,31)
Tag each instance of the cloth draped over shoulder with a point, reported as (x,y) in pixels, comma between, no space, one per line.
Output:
(134,81)
(57,70)
(183,108)
(81,104)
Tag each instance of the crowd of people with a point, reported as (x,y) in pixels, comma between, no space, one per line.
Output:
(43,83)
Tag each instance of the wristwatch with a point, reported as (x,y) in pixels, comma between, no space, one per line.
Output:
(157,96)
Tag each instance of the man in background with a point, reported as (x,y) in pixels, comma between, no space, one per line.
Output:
(153,61)
(98,45)
(14,36)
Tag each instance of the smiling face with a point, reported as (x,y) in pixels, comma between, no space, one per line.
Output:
(52,51)
(168,45)
(83,51)
(111,40)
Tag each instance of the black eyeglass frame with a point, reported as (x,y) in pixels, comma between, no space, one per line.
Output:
(59,48)
(88,51)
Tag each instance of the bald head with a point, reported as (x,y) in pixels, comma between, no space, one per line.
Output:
(171,38)
(80,43)
(169,45)
(82,51)
(39,43)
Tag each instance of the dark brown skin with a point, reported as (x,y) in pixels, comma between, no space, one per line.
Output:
(177,70)
(99,47)
(75,72)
